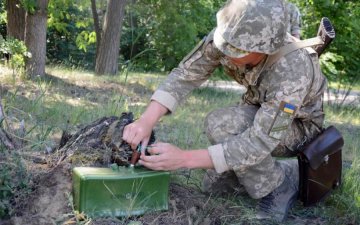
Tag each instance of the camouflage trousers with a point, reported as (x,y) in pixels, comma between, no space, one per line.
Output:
(258,180)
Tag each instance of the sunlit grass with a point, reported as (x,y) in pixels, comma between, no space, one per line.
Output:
(346,114)
(336,85)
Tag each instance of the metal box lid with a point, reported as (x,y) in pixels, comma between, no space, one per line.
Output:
(100,192)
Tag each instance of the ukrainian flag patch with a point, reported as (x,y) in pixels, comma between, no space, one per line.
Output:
(287,107)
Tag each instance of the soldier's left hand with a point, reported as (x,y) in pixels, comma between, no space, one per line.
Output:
(163,156)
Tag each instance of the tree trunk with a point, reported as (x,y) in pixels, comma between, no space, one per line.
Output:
(15,19)
(35,39)
(134,20)
(96,24)
(108,52)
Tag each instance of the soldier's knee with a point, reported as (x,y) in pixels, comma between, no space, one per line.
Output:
(219,184)
(208,123)
(212,125)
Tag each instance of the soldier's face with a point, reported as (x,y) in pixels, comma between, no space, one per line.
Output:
(252,58)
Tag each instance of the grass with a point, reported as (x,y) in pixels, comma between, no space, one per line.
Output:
(337,85)
(67,98)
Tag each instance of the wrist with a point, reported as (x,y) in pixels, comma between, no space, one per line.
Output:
(147,121)
(194,159)
(187,160)
(153,113)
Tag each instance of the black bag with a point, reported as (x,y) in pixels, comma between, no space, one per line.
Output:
(320,166)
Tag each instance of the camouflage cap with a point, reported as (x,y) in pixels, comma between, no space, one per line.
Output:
(251,25)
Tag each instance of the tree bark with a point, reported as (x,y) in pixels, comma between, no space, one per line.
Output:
(96,24)
(134,26)
(15,19)
(35,39)
(108,52)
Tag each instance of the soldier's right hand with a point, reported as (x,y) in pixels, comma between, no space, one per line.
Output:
(137,132)
(140,130)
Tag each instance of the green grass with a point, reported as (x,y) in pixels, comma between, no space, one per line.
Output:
(67,98)
(336,85)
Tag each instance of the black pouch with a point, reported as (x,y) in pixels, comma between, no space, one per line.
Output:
(320,166)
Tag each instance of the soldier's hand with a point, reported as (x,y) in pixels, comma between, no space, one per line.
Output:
(140,130)
(137,132)
(163,156)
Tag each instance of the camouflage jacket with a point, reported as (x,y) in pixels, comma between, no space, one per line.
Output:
(294,23)
(294,80)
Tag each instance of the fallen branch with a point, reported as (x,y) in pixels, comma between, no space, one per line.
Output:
(6,140)
(4,137)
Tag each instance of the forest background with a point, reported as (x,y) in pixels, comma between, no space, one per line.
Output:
(133,43)
(149,35)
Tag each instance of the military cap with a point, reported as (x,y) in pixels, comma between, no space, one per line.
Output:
(251,26)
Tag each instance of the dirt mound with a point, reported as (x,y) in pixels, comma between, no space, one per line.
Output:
(51,203)
(96,144)
(49,200)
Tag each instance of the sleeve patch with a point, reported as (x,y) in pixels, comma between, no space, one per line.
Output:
(282,120)
(287,107)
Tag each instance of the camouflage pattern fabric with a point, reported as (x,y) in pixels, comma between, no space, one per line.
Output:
(294,19)
(276,116)
(219,130)
(253,26)
(223,184)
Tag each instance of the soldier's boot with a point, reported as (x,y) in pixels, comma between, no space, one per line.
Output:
(275,206)
(222,184)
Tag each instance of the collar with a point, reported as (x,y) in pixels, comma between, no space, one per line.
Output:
(252,73)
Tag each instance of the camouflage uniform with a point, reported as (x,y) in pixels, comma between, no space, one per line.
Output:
(244,136)
(294,19)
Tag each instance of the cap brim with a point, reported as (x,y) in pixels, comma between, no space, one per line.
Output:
(225,47)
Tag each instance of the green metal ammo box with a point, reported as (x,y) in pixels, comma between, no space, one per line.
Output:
(100,192)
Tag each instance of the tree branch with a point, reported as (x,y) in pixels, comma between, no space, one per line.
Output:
(2,114)
(4,137)
(96,23)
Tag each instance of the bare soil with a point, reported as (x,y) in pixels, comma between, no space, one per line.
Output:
(51,203)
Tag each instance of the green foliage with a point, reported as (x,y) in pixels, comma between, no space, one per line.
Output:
(3,19)
(2,12)
(29,5)
(71,34)
(14,179)
(170,29)
(328,64)
(17,52)
(58,15)
(343,64)
(156,34)
(84,39)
